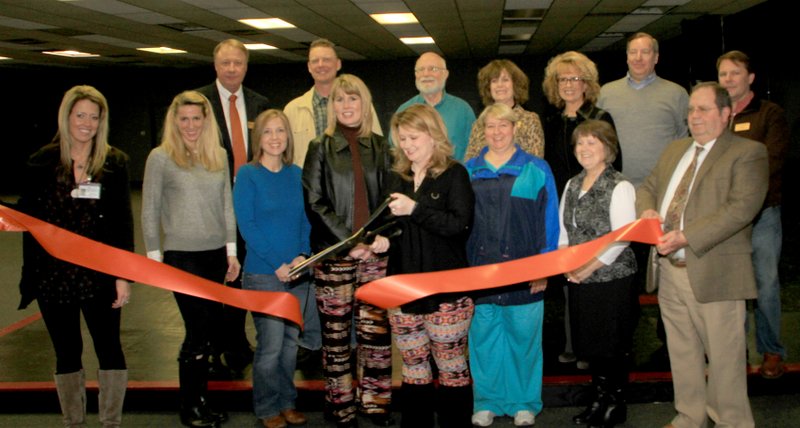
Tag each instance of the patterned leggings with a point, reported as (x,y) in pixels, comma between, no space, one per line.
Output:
(442,333)
(336,281)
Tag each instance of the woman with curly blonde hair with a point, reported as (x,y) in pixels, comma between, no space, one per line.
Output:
(571,84)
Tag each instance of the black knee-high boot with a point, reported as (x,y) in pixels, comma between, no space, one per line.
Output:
(417,404)
(455,406)
(193,379)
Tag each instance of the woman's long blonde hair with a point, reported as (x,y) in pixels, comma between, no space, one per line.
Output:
(210,153)
(349,84)
(100,147)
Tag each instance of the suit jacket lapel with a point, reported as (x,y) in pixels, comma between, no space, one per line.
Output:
(720,147)
(675,153)
(219,113)
(250,104)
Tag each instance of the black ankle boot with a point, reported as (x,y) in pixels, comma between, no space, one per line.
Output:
(616,411)
(352,423)
(220,415)
(197,416)
(381,419)
(593,413)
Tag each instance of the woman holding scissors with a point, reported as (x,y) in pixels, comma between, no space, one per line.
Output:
(434,204)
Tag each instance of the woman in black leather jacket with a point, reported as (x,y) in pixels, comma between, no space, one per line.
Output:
(344,176)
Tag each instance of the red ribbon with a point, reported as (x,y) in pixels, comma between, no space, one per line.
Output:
(65,245)
(397,290)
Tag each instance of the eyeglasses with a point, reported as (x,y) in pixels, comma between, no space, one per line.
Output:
(565,80)
(430,69)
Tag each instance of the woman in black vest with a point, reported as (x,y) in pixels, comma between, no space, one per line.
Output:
(602,296)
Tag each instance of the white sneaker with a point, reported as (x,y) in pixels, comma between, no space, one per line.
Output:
(582,365)
(484,418)
(523,418)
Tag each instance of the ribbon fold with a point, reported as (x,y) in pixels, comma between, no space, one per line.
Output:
(68,246)
(397,290)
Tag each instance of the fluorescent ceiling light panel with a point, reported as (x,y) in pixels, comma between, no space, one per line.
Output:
(267,23)
(258,46)
(71,54)
(528,4)
(417,40)
(162,50)
(394,18)
(4,57)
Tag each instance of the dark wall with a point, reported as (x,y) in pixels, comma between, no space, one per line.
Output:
(138,97)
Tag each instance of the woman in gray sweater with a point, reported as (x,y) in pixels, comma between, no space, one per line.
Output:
(186,195)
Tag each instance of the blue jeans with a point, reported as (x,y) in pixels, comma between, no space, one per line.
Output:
(767,236)
(311,336)
(276,351)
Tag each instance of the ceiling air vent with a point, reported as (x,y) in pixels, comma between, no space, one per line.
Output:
(184,27)
(25,41)
(66,32)
(248,32)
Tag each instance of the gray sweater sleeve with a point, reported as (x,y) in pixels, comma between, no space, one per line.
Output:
(151,199)
(230,217)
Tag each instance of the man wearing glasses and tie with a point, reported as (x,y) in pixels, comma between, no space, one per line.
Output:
(706,190)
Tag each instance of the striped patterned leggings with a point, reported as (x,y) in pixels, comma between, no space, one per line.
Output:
(443,334)
(336,281)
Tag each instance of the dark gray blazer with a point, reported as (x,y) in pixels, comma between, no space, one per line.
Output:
(254,104)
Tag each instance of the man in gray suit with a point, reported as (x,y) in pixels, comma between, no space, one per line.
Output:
(707,190)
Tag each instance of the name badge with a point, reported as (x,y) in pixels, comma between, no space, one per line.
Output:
(86,191)
(744,126)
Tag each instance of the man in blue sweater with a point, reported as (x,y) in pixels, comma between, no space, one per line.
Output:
(431,75)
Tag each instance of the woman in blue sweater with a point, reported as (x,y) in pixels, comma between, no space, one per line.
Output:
(268,200)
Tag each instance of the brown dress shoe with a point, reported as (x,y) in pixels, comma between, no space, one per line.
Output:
(293,417)
(276,421)
(772,367)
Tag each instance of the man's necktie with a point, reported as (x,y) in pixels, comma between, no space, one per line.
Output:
(237,139)
(678,203)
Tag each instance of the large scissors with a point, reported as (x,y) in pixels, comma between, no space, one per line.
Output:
(361,235)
